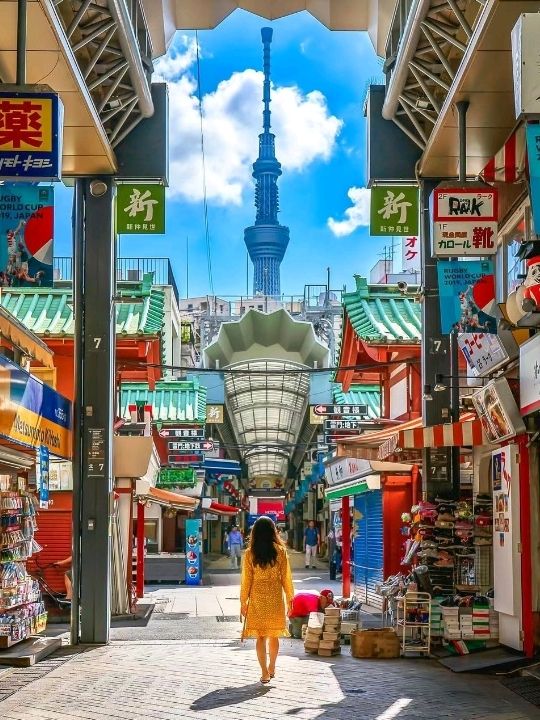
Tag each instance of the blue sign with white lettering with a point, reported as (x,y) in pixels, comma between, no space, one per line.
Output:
(30,136)
(533,154)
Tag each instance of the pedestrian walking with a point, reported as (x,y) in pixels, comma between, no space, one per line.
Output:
(266,576)
(312,540)
(236,542)
(284,536)
(226,542)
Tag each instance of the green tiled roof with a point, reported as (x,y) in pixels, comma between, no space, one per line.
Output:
(369,395)
(380,313)
(171,400)
(49,311)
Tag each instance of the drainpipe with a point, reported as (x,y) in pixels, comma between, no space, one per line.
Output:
(21,41)
(140,550)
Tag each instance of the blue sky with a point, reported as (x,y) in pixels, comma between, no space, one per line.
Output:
(319,84)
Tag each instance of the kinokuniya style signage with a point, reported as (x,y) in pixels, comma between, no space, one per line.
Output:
(30,136)
(394,210)
(464,222)
(529,376)
(32,413)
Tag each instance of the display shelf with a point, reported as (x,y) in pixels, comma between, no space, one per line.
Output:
(414,636)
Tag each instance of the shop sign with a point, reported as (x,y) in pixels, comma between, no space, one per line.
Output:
(533,156)
(529,376)
(464,222)
(484,352)
(140,209)
(193,552)
(177,477)
(498,411)
(411,258)
(330,425)
(187,445)
(30,136)
(467,296)
(42,473)
(525,59)
(214,414)
(394,210)
(26,235)
(314,419)
(194,458)
(346,469)
(32,413)
(506,542)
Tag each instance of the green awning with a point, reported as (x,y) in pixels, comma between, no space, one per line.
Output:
(357,489)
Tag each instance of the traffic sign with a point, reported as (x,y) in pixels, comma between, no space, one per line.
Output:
(186,445)
(183,432)
(348,410)
(196,458)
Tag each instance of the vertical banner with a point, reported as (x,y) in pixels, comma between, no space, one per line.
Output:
(193,552)
(506,544)
(43,476)
(411,259)
(26,235)
(533,156)
(467,296)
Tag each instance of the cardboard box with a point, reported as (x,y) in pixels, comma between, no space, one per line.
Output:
(331,636)
(332,622)
(329,644)
(311,646)
(332,612)
(382,643)
(348,627)
(329,653)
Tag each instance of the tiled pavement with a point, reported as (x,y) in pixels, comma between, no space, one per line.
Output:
(173,680)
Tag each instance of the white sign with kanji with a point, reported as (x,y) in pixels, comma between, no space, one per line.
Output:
(465,222)
(484,352)
(411,261)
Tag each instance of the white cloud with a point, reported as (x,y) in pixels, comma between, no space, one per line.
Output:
(232,120)
(355,216)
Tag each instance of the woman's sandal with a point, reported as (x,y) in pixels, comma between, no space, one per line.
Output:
(265,682)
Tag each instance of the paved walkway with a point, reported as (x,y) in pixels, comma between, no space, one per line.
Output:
(218,680)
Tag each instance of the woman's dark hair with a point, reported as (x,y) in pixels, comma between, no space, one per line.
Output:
(264,542)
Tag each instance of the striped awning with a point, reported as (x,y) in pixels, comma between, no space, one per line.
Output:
(367,446)
(509,165)
(465,433)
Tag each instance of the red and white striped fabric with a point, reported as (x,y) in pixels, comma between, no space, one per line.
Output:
(510,163)
(467,432)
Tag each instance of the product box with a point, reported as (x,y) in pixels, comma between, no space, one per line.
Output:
(382,643)
(329,644)
(332,612)
(323,652)
(331,635)
(348,627)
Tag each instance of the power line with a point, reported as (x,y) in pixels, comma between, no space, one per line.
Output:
(203,156)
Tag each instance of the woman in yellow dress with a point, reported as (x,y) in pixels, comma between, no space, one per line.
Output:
(266,576)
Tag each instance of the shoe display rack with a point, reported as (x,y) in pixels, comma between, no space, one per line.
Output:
(22,612)
(414,623)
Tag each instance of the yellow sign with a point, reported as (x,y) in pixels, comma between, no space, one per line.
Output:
(214,414)
(26,124)
(315,419)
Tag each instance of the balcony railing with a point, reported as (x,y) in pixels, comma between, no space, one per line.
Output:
(127,270)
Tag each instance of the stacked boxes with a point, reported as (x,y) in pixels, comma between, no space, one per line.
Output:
(312,638)
(451,629)
(466,623)
(330,644)
(494,624)
(436,619)
(480,621)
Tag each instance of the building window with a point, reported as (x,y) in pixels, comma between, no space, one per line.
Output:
(260,307)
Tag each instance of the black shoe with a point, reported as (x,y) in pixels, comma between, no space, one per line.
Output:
(307,567)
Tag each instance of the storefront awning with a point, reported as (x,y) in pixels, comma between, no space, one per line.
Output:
(216,508)
(21,337)
(509,164)
(366,446)
(467,432)
(369,479)
(166,498)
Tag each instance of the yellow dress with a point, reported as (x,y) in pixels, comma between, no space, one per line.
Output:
(262,590)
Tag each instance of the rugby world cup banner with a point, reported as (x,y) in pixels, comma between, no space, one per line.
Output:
(32,413)
(26,235)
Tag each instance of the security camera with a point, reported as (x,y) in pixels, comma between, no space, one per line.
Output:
(402,286)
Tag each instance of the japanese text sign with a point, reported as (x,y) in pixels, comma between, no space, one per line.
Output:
(483,352)
(140,209)
(464,222)
(529,375)
(411,258)
(533,156)
(30,136)
(467,296)
(394,210)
